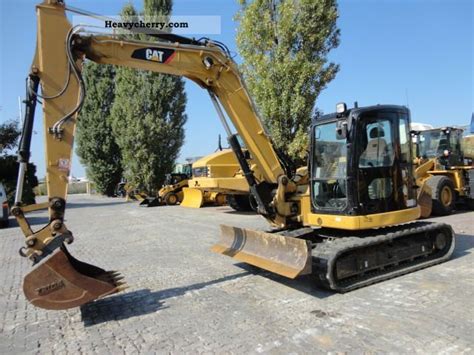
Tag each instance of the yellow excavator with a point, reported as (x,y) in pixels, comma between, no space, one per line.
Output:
(346,222)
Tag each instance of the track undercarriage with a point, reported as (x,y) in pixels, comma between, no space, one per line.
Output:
(346,263)
(342,260)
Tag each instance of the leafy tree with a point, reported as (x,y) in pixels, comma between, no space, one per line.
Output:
(148,115)
(9,134)
(96,144)
(284,45)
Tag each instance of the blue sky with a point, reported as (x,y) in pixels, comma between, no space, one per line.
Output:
(418,52)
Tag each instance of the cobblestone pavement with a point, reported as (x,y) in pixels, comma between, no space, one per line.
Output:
(185,299)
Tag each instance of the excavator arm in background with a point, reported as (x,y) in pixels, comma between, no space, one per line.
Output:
(58,280)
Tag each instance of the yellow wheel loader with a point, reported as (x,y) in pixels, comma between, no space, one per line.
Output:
(129,192)
(216,179)
(442,165)
(349,223)
(171,193)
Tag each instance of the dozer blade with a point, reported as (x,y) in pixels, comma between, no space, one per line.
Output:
(193,198)
(61,282)
(286,256)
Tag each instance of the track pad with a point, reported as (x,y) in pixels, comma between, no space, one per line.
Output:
(61,282)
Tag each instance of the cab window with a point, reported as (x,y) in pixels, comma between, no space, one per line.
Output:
(379,150)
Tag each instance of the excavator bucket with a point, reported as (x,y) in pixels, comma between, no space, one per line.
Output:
(286,256)
(193,198)
(61,282)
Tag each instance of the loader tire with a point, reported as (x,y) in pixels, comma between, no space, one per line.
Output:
(239,203)
(171,199)
(443,195)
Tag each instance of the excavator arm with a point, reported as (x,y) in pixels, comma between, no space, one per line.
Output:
(58,280)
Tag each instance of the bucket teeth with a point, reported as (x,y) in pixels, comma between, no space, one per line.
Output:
(112,273)
(112,277)
(121,288)
(61,282)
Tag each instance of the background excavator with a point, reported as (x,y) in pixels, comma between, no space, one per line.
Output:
(345,221)
(177,190)
(217,178)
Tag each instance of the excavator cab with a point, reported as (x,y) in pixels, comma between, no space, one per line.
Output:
(361,162)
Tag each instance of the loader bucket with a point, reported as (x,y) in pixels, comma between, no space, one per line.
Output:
(425,201)
(193,198)
(144,203)
(61,282)
(150,202)
(286,256)
(153,202)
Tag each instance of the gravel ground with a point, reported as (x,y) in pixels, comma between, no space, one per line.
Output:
(185,299)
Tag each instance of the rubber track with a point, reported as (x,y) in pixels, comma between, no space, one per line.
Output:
(326,253)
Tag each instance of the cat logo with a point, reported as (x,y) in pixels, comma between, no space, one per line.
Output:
(154,55)
(158,55)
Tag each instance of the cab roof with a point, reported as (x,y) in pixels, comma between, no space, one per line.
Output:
(357,111)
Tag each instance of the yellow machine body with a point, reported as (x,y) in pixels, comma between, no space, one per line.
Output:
(447,181)
(215,176)
(60,281)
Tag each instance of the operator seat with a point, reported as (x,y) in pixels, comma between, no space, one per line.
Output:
(376,150)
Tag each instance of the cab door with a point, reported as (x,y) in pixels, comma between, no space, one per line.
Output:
(384,162)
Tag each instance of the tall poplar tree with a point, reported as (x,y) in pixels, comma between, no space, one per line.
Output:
(96,144)
(285,45)
(148,115)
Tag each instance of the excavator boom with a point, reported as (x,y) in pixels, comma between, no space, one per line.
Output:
(58,280)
